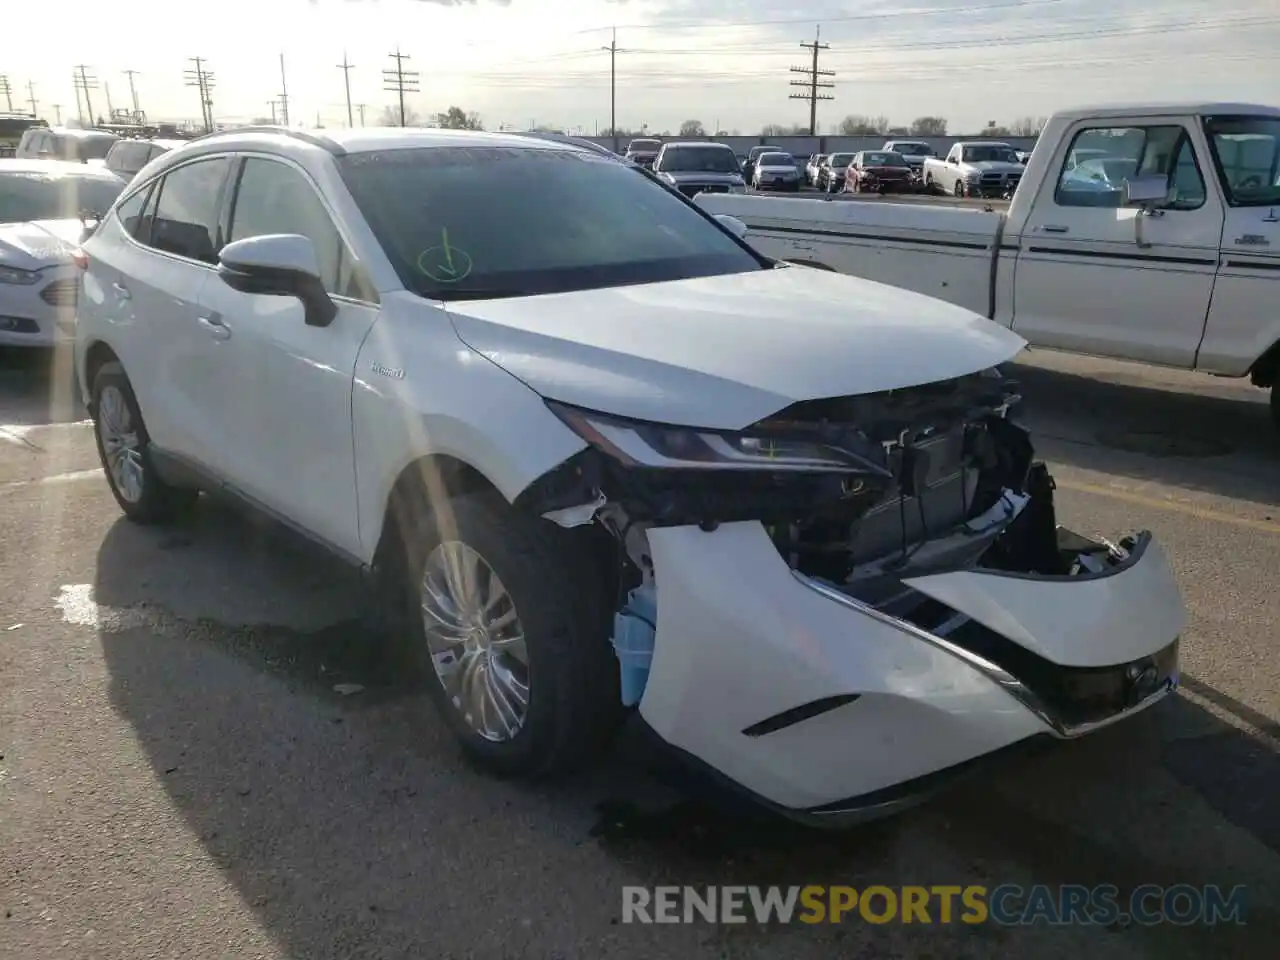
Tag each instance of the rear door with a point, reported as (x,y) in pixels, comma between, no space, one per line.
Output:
(293,433)
(162,269)
(1095,277)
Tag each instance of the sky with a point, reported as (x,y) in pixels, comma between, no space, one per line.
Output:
(726,64)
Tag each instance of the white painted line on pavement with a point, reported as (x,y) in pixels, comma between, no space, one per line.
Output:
(72,477)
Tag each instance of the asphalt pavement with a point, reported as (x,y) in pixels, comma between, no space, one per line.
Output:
(202,755)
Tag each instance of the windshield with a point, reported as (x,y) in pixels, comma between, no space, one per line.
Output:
(1246,151)
(989,153)
(564,220)
(699,160)
(841,159)
(36,196)
(883,159)
(914,149)
(644,146)
(777,160)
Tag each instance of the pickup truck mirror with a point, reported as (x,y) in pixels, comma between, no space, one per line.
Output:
(1145,191)
(732,224)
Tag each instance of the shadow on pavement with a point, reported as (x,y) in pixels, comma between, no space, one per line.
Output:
(1214,445)
(353,829)
(38,386)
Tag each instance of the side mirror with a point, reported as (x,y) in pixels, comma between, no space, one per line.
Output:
(1145,191)
(732,224)
(279,265)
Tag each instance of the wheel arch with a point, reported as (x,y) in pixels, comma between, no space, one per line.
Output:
(98,355)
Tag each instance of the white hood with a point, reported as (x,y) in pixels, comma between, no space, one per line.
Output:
(39,243)
(994,166)
(723,352)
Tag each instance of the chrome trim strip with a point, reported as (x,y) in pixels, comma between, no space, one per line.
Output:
(997,674)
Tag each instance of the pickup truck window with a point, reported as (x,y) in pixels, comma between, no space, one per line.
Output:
(1246,152)
(989,153)
(1101,159)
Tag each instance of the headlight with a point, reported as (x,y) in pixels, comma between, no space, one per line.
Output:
(14,275)
(636,443)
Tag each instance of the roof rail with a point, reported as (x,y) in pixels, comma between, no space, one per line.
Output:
(324,143)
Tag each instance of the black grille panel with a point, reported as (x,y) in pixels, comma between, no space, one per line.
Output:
(693,191)
(61,293)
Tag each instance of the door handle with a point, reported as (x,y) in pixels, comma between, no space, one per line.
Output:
(1054,228)
(122,291)
(217,329)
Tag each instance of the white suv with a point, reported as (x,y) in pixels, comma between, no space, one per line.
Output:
(597,452)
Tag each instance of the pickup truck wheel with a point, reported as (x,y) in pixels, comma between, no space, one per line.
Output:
(958,190)
(124,447)
(1275,405)
(507,623)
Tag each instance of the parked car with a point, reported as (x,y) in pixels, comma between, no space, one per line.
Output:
(832,172)
(1168,259)
(776,171)
(695,166)
(811,169)
(128,156)
(754,154)
(915,152)
(643,151)
(65,143)
(12,127)
(879,171)
(477,396)
(975,169)
(41,206)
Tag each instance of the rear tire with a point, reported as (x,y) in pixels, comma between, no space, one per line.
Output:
(124,447)
(559,601)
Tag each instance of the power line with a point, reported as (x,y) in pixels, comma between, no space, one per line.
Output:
(613,87)
(284,94)
(812,81)
(84,82)
(202,79)
(345,67)
(133,89)
(400,80)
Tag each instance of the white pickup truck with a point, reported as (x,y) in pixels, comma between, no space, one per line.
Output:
(1164,249)
(982,168)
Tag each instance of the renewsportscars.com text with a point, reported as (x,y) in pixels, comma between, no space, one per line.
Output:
(1007,904)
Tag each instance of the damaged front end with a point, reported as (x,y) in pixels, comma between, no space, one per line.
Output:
(873,584)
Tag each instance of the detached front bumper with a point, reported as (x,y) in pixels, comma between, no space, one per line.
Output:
(830,709)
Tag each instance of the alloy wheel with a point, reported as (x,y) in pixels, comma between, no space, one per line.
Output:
(121,446)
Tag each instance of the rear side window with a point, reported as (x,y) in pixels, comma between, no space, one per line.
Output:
(185,220)
(129,212)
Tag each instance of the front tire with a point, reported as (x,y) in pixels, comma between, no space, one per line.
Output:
(959,190)
(506,619)
(124,448)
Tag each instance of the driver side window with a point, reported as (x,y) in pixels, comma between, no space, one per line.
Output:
(272,197)
(1100,160)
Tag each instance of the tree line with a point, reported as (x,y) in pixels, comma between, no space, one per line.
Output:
(854,125)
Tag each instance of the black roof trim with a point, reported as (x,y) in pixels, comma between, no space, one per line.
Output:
(324,143)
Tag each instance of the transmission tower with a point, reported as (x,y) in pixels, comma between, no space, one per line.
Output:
(813,82)
(84,81)
(400,80)
(200,78)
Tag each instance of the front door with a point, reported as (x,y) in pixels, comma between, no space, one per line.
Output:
(295,454)
(1093,276)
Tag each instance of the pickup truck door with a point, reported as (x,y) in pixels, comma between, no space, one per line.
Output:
(1095,277)
(296,457)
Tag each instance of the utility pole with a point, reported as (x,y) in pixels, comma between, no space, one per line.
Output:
(284,95)
(360,107)
(345,67)
(272,105)
(31,96)
(400,80)
(106,92)
(85,81)
(202,79)
(7,91)
(57,114)
(812,81)
(614,50)
(133,90)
